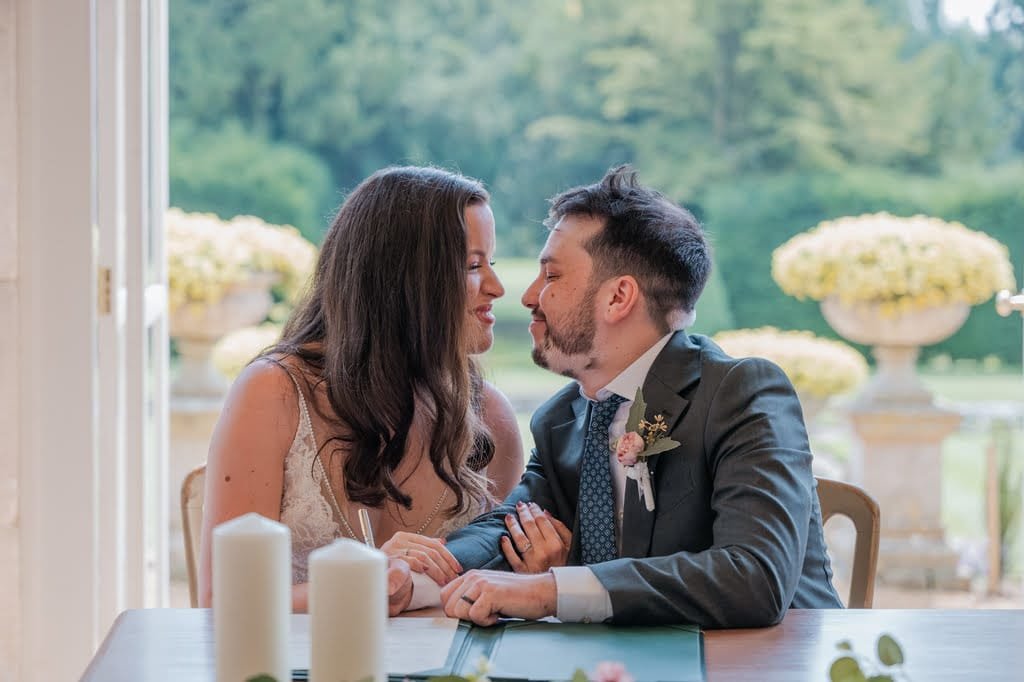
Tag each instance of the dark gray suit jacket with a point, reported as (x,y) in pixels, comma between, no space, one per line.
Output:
(735,538)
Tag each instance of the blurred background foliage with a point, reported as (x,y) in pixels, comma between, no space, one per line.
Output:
(763,116)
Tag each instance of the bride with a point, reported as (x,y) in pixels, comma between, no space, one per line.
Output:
(372,398)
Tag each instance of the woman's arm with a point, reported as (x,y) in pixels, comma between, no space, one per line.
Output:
(506,468)
(245,467)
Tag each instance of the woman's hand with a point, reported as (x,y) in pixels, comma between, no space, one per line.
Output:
(539,540)
(399,586)
(424,555)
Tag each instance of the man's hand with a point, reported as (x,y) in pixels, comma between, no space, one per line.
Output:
(485,596)
(399,586)
(539,540)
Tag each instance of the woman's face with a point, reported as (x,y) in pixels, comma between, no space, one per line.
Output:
(482,283)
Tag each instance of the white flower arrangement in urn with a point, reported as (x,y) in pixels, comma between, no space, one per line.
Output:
(900,264)
(893,283)
(221,275)
(207,257)
(818,368)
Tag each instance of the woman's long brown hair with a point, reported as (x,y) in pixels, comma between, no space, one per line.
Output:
(383,326)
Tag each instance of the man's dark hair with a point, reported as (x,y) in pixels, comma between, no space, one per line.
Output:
(644,235)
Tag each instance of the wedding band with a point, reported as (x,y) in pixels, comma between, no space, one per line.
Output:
(524,550)
(405,552)
(467,599)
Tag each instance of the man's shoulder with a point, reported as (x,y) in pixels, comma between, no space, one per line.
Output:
(709,354)
(716,365)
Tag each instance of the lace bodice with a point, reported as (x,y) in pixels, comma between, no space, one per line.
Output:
(305,503)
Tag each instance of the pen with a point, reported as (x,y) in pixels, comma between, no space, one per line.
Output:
(364,522)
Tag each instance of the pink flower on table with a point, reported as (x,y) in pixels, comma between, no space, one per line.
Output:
(611,672)
(630,445)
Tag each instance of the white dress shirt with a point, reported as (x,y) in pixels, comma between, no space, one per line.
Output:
(581,596)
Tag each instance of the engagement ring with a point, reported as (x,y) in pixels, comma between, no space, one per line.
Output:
(528,547)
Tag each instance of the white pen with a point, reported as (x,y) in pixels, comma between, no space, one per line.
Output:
(364,522)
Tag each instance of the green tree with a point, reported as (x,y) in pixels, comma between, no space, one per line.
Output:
(1006,49)
(230,172)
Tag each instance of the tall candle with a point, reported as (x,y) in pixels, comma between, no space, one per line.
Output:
(348,612)
(251,598)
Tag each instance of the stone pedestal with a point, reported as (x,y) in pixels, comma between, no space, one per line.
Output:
(192,423)
(196,328)
(899,432)
(900,465)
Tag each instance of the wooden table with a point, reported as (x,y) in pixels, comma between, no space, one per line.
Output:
(176,645)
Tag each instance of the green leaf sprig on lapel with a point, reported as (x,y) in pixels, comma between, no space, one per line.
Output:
(652,433)
(641,440)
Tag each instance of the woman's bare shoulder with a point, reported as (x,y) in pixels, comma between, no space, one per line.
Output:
(495,405)
(265,395)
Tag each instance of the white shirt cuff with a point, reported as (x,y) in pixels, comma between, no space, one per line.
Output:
(425,592)
(581,596)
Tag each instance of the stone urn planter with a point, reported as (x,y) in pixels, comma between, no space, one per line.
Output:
(896,343)
(927,273)
(196,328)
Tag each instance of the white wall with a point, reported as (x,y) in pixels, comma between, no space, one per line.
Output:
(74,123)
(49,395)
(10,602)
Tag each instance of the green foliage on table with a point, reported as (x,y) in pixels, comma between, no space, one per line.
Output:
(850,667)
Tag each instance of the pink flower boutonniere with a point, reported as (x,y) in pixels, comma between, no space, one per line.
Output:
(641,440)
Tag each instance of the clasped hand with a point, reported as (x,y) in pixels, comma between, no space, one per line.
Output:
(424,555)
(408,553)
(538,540)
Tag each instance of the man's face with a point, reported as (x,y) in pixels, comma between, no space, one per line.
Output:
(562,298)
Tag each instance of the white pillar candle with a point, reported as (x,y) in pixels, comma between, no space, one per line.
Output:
(251,598)
(348,612)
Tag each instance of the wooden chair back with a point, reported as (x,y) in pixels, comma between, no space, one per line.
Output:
(192,491)
(844,499)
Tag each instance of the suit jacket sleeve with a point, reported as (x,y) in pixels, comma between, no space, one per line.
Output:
(760,464)
(476,545)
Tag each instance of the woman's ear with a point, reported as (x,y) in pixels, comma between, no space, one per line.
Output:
(622,297)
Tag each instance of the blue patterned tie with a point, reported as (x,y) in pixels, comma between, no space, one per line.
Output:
(596,505)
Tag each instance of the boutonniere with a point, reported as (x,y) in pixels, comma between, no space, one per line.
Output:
(641,440)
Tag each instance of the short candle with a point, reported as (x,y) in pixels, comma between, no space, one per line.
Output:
(348,612)
(251,598)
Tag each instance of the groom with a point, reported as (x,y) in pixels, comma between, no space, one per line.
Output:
(734,538)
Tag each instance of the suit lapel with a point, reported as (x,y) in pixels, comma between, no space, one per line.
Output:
(675,368)
(567,439)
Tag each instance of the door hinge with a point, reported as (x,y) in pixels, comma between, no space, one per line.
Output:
(103,303)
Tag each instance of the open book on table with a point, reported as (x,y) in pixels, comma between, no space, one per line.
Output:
(529,651)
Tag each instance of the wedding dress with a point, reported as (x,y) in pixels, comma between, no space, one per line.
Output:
(307,504)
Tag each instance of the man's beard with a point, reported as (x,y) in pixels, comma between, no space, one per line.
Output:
(575,339)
